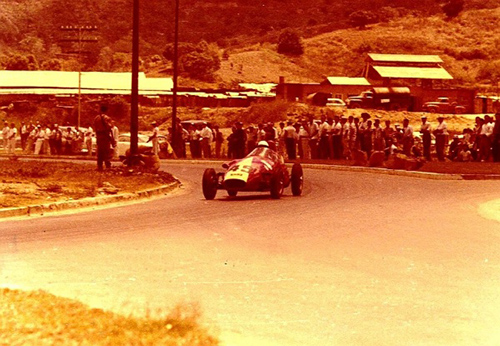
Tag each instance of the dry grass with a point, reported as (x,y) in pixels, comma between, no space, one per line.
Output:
(33,182)
(39,318)
(342,52)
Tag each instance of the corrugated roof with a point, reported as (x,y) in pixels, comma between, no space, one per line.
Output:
(105,81)
(405,58)
(412,72)
(347,81)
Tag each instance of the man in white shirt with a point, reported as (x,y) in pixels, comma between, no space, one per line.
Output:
(407,137)
(206,136)
(290,136)
(485,139)
(11,139)
(441,134)
(425,130)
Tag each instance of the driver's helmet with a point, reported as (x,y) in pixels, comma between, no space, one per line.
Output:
(263,144)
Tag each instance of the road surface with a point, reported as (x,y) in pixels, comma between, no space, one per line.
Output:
(359,259)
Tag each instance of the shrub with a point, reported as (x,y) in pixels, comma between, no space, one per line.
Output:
(452,8)
(290,43)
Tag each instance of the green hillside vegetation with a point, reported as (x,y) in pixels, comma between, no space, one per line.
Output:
(246,33)
(468,45)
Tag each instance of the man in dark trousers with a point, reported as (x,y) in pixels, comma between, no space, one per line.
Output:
(104,138)
(240,139)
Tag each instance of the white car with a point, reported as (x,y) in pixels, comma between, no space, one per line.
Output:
(336,103)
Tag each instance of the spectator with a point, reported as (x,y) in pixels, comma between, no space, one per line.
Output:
(495,143)
(337,138)
(324,134)
(56,138)
(378,136)
(304,148)
(194,141)
(154,138)
(388,133)
(426,130)
(240,139)
(290,136)
(11,139)
(251,138)
(368,138)
(363,125)
(206,137)
(104,138)
(219,139)
(485,134)
(89,134)
(408,139)
(24,131)
(441,133)
(5,135)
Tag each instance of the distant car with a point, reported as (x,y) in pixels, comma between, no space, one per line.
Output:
(144,146)
(336,103)
(443,105)
(261,170)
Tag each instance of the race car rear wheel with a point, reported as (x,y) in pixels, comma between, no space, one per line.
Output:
(297,179)
(232,193)
(209,183)
(277,185)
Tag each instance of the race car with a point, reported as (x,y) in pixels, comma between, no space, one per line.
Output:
(261,170)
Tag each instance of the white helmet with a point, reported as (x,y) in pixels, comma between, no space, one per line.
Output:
(263,144)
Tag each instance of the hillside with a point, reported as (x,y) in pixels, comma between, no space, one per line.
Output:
(470,57)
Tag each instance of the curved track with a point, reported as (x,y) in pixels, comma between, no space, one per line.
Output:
(359,259)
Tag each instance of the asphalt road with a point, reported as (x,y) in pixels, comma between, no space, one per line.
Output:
(359,259)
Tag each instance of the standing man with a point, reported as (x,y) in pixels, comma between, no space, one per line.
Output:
(408,139)
(89,134)
(441,134)
(240,139)
(219,139)
(104,138)
(206,137)
(154,138)
(11,142)
(290,136)
(5,135)
(425,130)
(24,131)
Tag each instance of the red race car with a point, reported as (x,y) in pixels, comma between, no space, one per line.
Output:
(261,170)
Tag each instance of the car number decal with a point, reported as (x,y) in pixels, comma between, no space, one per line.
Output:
(240,170)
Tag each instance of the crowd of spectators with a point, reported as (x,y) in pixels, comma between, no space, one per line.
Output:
(328,138)
(338,138)
(43,139)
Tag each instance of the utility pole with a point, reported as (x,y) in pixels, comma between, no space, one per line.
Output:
(80,40)
(176,72)
(134,104)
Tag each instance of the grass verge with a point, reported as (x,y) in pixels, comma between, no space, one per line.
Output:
(38,318)
(33,182)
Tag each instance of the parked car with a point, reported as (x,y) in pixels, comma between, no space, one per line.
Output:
(443,105)
(336,103)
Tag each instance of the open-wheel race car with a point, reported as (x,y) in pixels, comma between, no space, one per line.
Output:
(261,170)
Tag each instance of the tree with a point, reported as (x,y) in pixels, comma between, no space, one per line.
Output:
(452,8)
(290,43)
(360,19)
(18,62)
(199,61)
(52,65)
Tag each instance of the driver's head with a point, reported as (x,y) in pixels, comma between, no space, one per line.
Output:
(263,144)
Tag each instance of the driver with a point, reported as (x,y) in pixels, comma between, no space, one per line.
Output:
(263,144)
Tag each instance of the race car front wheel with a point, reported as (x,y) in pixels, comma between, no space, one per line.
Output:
(209,183)
(297,179)
(277,186)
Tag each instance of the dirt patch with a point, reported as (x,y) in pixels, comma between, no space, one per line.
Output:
(39,318)
(24,183)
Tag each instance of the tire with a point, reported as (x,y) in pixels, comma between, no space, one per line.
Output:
(297,179)
(232,193)
(277,186)
(209,183)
